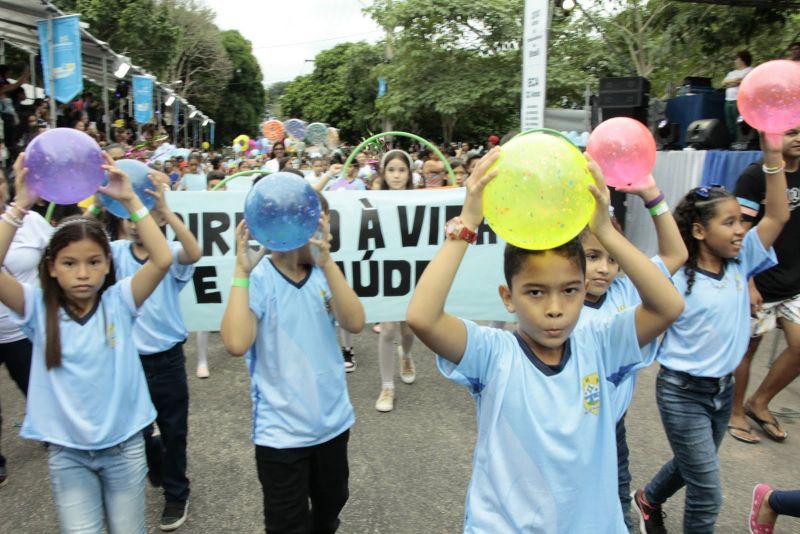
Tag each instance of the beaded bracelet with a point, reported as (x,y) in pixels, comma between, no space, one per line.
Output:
(22,210)
(655,201)
(16,223)
(774,170)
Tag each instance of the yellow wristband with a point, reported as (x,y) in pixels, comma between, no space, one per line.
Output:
(240,282)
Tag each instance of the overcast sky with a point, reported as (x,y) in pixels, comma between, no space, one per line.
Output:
(286,33)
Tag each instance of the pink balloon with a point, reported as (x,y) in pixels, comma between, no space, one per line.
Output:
(769,97)
(64,166)
(253,144)
(625,150)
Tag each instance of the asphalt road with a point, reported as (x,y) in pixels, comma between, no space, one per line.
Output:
(409,468)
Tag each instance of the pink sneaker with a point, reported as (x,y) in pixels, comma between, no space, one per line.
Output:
(758,499)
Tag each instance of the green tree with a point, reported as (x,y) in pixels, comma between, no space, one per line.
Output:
(341,91)
(131,27)
(274,94)
(245,97)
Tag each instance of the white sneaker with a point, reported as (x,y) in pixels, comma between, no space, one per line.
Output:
(385,402)
(408,373)
(202,371)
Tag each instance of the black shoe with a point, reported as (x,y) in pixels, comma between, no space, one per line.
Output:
(349,359)
(3,476)
(155,461)
(651,518)
(174,515)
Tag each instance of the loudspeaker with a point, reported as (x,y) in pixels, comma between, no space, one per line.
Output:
(667,135)
(746,136)
(624,92)
(638,113)
(707,133)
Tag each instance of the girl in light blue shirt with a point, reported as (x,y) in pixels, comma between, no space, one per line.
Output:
(88,395)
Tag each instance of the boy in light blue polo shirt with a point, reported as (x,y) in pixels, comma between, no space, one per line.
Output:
(159,334)
(282,312)
(546,455)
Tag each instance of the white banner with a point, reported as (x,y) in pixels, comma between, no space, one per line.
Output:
(382,240)
(534,63)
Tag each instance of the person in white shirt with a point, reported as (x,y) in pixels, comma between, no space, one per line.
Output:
(731,83)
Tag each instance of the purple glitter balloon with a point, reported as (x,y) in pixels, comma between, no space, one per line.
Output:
(64,166)
(282,211)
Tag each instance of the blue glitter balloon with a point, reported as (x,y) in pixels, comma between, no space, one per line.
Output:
(282,211)
(137,172)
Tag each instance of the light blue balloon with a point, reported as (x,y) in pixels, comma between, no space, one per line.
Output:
(137,172)
(282,211)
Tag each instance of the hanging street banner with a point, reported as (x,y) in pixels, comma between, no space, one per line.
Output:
(382,241)
(534,63)
(142,98)
(66,70)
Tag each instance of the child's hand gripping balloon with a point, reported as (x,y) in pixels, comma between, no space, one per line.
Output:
(160,183)
(119,185)
(321,242)
(472,212)
(23,198)
(246,257)
(601,219)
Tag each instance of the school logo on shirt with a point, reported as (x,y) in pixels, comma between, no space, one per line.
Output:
(326,301)
(111,337)
(590,385)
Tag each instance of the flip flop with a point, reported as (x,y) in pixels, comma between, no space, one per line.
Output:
(751,440)
(763,424)
(758,499)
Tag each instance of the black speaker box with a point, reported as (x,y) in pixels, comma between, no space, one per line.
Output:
(625,83)
(707,133)
(746,137)
(639,113)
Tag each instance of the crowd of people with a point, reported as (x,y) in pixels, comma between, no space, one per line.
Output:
(90,322)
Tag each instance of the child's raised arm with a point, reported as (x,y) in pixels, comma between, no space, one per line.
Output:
(776,204)
(671,248)
(11,293)
(661,302)
(238,328)
(191,251)
(443,333)
(146,279)
(347,309)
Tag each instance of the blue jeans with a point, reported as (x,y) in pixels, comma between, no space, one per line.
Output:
(169,390)
(694,412)
(624,474)
(90,487)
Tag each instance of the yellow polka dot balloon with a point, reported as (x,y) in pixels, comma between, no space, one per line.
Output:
(540,197)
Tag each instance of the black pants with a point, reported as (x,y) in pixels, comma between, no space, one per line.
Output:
(169,390)
(290,478)
(17,357)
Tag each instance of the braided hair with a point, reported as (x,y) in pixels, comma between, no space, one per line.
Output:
(698,206)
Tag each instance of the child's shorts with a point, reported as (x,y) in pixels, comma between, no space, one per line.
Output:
(766,319)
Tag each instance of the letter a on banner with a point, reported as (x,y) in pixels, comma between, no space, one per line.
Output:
(66,70)
(534,63)
(142,98)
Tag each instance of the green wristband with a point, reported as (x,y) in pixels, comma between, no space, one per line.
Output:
(139,214)
(95,210)
(659,208)
(240,282)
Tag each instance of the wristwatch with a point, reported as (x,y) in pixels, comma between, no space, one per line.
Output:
(456,229)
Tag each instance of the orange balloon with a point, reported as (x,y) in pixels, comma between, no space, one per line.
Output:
(273,130)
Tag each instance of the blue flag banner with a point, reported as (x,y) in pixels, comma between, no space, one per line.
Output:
(381,86)
(66,69)
(211,134)
(142,99)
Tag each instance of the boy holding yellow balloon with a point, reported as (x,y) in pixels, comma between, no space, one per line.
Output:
(546,425)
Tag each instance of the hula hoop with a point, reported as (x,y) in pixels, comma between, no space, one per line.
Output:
(425,142)
(232,176)
(50,209)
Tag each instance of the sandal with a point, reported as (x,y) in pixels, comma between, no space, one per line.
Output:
(763,424)
(732,429)
(758,499)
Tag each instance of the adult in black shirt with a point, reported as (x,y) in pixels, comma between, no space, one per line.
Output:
(774,298)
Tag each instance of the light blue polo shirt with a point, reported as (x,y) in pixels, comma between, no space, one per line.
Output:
(160,325)
(298,384)
(546,457)
(98,397)
(620,296)
(711,335)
